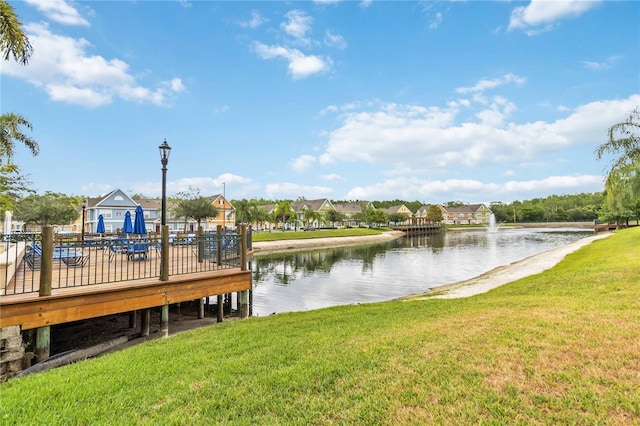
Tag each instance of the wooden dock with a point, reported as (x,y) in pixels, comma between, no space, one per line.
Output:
(420,229)
(29,310)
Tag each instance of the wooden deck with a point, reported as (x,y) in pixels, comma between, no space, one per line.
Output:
(102,287)
(78,303)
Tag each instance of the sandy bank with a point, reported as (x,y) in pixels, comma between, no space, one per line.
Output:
(509,273)
(268,247)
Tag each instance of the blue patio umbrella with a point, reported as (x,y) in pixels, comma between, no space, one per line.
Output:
(100,227)
(127,226)
(138,223)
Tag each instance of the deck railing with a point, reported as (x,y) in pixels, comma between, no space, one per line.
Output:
(98,260)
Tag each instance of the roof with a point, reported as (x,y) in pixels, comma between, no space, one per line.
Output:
(314,205)
(467,208)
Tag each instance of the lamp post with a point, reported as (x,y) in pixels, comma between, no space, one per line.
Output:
(224,210)
(84,208)
(165,151)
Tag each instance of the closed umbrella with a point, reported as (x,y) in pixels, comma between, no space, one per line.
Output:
(138,223)
(100,227)
(127,227)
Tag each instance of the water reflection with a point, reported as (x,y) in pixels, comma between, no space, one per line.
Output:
(320,278)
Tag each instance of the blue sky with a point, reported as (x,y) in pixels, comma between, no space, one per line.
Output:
(431,101)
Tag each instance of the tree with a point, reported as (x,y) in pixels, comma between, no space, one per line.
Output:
(434,214)
(283,211)
(334,216)
(311,216)
(13,41)
(48,209)
(10,133)
(396,218)
(191,205)
(622,184)
(12,186)
(624,139)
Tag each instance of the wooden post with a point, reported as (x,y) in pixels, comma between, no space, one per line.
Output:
(43,343)
(200,242)
(133,319)
(46,261)
(219,245)
(164,321)
(201,308)
(243,247)
(145,322)
(43,334)
(164,254)
(243,302)
(220,313)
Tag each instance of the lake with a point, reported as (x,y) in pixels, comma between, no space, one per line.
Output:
(316,279)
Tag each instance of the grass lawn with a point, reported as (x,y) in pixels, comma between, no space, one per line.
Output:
(561,347)
(321,233)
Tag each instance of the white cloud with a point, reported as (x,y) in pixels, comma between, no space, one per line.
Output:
(59,11)
(539,15)
(256,20)
(483,85)
(302,163)
(365,4)
(332,177)
(227,183)
(431,137)
(335,40)
(297,25)
(603,65)
(436,20)
(471,190)
(300,65)
(280,190)
(65,69)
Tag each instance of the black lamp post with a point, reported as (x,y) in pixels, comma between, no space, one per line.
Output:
(84,208)
(165,151)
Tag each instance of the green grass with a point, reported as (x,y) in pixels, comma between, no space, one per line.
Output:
(321,233)
(561,347)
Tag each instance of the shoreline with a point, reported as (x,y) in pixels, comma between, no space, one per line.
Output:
(506,274)
(283,246)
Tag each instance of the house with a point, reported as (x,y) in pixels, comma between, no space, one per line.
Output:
(113,208)
(226,214)
(399,210)
(422,214)
(468,214)
(320,207)
(350,209)
(114,205)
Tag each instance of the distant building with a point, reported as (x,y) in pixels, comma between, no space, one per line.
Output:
(468,214)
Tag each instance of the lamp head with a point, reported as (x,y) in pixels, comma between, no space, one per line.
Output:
(165,151)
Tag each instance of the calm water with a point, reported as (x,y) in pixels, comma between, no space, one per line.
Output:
(316,279)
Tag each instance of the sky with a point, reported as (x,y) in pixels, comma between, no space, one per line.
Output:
(467,101)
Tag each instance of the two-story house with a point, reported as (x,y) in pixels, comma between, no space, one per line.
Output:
(468,214)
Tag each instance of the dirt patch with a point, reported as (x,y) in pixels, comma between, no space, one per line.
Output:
(87,333)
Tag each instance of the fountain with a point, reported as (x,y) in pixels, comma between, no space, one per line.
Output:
(493,226)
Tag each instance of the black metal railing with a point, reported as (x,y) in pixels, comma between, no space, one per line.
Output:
(98,260)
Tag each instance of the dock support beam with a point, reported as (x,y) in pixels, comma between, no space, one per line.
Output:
(43,334)
(220,313)
(145,321)
(243,304)
(164,321)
